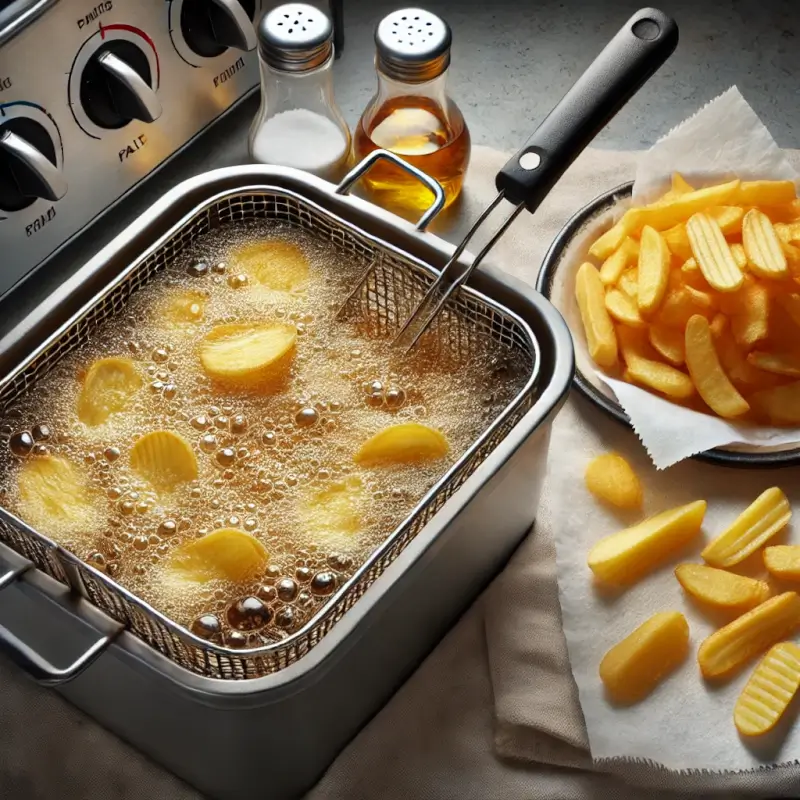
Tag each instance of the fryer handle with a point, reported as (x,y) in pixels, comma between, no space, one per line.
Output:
(643,44)
(39,668)
(365,165)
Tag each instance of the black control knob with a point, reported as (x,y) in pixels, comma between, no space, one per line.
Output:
(117,86)
(28,166)
(210,27)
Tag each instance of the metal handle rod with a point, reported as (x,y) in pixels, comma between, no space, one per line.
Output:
(148,106)
(441,290)
(50,183)
(366,164)
(38,667)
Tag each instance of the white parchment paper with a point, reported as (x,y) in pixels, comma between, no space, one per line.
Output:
(686,723)
(722,141)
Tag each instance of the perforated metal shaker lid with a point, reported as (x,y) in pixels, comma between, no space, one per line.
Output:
(413,45)
(295,37)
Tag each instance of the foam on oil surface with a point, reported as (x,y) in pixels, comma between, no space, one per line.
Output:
(260,457)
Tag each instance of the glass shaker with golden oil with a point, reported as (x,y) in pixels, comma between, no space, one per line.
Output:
(411,113)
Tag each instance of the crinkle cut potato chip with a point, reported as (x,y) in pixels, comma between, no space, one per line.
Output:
(165,459)
(53,494)
(107,389)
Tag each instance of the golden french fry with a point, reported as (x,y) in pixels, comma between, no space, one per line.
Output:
(729,218)
(764,193)
(702,299)
(792,254)
(711,382)
(680,185)
(608,242)
(678,308)
(739,256)
(770,690)
(766,516)
(635,666)
(690,268)
(654,261)
(750,324)
(597,325)
(788,232)
(668,343)
(781,404)
(720,588)
(678,210)
(765,257)
(663,378)
(627,555)
(718,326)
(623,308)
(783,561)
(778,363)
(623,257)
(739,370)
(612,479)
(791,304)
(629,283)
(678,241)
(732,646)
(713,254)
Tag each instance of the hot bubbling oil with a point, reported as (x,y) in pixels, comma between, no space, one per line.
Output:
(257,455)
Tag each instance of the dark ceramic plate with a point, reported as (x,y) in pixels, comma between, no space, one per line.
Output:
(548,284)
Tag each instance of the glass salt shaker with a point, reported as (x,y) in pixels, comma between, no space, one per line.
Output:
(298,124)
(411,114)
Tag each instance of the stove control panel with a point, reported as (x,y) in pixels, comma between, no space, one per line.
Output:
(96,95)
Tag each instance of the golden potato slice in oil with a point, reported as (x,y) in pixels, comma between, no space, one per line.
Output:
(107,389)
(334,516)
(184,307)
(225,554)
(406,443)
(246,355)
(279,266)
(54,494)
(164,459)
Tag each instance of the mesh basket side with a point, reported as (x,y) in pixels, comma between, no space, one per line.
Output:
(393,287)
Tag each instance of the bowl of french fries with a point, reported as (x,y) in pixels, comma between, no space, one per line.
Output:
(694,298)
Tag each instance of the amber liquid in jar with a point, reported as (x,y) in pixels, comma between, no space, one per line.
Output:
(418,130)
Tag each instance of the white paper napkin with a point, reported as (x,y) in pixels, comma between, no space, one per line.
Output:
(723,140)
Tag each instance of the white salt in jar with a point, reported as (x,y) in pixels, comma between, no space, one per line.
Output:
(299,124)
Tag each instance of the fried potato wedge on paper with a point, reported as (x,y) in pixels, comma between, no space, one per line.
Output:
(635,666)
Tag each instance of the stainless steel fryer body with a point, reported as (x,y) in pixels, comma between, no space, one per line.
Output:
(276,734)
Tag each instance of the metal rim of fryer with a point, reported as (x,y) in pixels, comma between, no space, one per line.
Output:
(552,260)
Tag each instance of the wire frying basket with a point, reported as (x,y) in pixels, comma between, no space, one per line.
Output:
(393,285)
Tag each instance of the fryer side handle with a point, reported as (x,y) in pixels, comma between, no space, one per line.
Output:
(365,165)
(643,44)
(39,668)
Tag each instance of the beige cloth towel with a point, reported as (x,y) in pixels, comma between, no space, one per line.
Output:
(492,713)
